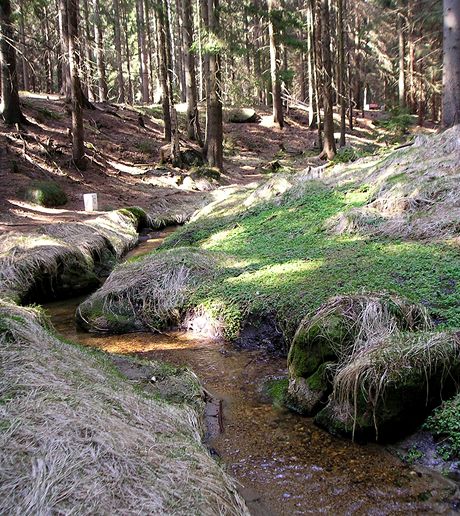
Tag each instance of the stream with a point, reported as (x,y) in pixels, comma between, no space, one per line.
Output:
(285,464)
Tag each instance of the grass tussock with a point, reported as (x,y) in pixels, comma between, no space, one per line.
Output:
(60,251)
(415,191)
(399,359)
(151,292)
(77,437)
(383,361)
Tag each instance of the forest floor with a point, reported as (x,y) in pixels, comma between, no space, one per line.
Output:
(124,166)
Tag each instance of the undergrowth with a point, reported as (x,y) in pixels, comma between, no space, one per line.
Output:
(285,262)
(444,424)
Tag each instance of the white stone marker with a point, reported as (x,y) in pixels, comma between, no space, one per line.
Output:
(90,200)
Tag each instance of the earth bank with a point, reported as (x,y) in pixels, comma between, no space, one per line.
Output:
(276,252)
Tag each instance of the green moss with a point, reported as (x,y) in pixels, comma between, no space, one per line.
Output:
(444,424)
(138,214)
(44,193)
(318,380)
(277,390)
(205,172)
(286,262)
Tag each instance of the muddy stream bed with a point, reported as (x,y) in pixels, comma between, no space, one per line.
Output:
(285,464)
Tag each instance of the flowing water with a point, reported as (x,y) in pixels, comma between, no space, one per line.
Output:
(285,464)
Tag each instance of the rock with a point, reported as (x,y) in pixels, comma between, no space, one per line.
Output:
(44,193)
(375,356)
(242,115)
(308,395)
(395,385)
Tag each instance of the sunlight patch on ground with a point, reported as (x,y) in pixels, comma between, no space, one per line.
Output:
(276,274)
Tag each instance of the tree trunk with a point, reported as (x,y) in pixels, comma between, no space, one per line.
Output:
(214,127)
(312,105)
(78,145)
(99,47)
(118,53)
(48,51)
(451,64)
(64,42)
(10,108)
(163,72)
(128,53)
(341,71)
(181,50)
(193,123)
(329,149)
(25,68)
(89,44)
(142,52)
(402,47)
(273,14)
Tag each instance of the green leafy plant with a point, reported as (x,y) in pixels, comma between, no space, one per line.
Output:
(444,424)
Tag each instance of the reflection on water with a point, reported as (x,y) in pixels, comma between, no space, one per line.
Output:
(294,466)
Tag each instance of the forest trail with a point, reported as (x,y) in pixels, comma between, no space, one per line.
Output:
(124,166)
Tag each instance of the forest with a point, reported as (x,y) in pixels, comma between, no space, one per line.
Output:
(229,257)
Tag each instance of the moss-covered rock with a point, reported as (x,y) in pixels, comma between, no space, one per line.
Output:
(376,358)
(307,395)
(139,216)
(205,172)
(386,391)
(149,293)
(44,193)
(331,331)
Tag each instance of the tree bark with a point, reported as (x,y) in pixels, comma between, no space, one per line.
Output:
(163,72)
(451,64)
(341,71)
(329,149)
(64,42)
(273,13)
(193,123)
(78,144)
(402,52)
(99,47)
(118,52)
(142,52)
(10,108)
(25,68)
(312,104)
(127,52)
(214,127)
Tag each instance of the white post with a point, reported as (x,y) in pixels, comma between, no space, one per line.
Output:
(90,201)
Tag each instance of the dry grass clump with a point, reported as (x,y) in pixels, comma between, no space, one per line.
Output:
(148,293)
(25,258)
(77,438)
(366,317)
(377,348)
(394,361)
(415,191)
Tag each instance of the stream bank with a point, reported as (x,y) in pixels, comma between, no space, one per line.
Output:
(295,467)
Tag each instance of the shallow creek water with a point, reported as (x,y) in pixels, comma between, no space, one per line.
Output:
(285,464)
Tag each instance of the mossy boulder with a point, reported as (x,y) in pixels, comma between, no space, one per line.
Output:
(367,352)
(45,193)
(241,115)
(330,332)
(152,292)
(205,172)
(308,395)
(138,215)
(388,390)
